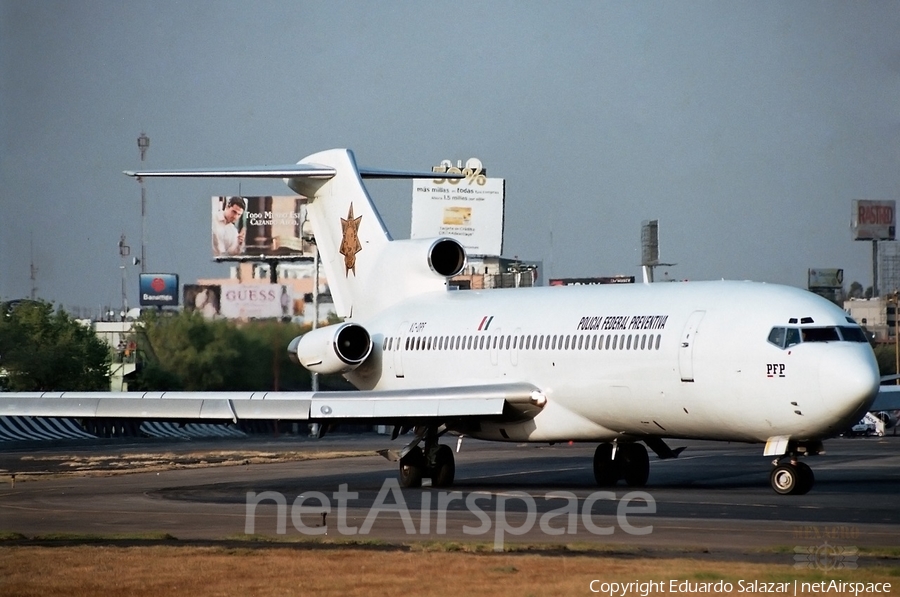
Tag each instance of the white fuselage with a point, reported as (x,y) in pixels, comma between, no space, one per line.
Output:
(686,360)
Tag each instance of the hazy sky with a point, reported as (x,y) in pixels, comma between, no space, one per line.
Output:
(746,128)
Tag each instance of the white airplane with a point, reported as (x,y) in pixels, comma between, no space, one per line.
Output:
(621,365)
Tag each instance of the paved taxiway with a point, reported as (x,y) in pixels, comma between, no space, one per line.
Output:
(714,497)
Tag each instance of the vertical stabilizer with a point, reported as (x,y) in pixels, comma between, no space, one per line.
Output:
(349,232)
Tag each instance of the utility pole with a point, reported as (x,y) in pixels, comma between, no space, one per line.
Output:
(143,143)
(124,251)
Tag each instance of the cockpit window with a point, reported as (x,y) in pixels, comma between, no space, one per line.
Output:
(820,335)
(852,334)
(791,337)
(785,337)
(776,337)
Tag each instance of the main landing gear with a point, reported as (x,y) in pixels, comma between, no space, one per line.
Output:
(433,460)
(627,461)
(791,477)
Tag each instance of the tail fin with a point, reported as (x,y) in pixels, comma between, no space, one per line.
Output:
(357,252)
(349,231)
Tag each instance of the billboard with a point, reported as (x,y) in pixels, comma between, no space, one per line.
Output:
(825,278)
(591,281)
(158,290)
(267,226)
(241,301)
(873,220)
(469,210)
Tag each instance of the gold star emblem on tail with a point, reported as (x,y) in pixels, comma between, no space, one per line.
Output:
(350,242)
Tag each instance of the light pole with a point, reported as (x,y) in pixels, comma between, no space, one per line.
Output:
(143,143)
(124,251)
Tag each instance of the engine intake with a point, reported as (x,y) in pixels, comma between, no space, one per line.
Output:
(447,257)
(335,348)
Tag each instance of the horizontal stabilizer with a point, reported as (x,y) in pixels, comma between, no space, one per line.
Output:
(291,171)
(300,170)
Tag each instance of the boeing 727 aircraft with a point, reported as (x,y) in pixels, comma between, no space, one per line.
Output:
(625,366)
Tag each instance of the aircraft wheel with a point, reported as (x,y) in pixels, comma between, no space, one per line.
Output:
(785,479)
(606,470)
(634,464)
(444,467)
(806,478)
(412,468)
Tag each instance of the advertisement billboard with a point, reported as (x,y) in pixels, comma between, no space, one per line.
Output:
(158,290)
(591,281)
(266,226)
(469,210)
(241,301)
(873,220)
(825,278)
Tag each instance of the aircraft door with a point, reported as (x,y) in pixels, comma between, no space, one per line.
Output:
(686,348)
(402,336)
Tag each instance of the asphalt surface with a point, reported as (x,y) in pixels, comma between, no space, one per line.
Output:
(714,498)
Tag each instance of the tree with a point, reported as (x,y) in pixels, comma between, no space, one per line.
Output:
(856,290)
(42,349)
(187,352)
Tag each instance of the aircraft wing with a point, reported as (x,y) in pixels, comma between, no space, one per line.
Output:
(511,400)
(888,398)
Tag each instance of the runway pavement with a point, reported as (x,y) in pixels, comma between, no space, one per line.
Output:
(714,498)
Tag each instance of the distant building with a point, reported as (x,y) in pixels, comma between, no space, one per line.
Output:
(497,272)
(878,315)
(298,277)
(888,266)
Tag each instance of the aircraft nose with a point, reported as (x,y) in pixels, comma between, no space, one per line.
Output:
(849,379)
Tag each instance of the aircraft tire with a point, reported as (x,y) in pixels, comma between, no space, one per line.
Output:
(785,479)
(412,468)
(606,470)
(444,467)
(634,464)
(806,479)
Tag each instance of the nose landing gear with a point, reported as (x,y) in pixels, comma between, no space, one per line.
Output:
(791,477)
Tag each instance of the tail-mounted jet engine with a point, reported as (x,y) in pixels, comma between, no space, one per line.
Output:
(447,257)
(337,348)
